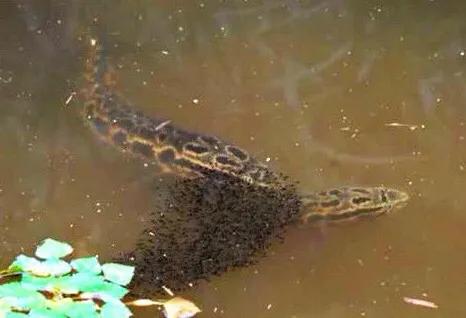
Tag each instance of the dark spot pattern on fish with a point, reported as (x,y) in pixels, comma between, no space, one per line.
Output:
(142,149)
(237,152)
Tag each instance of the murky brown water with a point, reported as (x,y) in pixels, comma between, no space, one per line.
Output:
(313,85)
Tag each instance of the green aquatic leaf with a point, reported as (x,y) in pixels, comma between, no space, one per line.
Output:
(12,269)
(115,309)
(87,264)
(14,315)
(45,313)
(25,263)
(101,283)
(50,284)
(50,248)
(33,282)
(4,308)
(41,268)
(104,297)
(85,282)
(61,285)
(56,267)
(17,296)
(66,285)
(60,305)
(109,289)
(118,273)
(82,309)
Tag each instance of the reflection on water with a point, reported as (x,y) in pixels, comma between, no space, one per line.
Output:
(309,86)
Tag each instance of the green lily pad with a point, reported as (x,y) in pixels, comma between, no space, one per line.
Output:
(16,296)
(45,313)
(118,273)
(87,264)
(82,309)
(48,267)
(4,308)
(62,284)
(115,309)
(15,315)
(25,263)
(60,305)
(84,281)
(51,284)
(56,267)
(32,282)
(102,284)
(103,297)
(108,289)
(51,248)
(66,285)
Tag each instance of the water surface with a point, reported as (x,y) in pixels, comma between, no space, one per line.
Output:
(330,93)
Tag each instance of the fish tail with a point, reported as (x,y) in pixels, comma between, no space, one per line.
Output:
(97,72)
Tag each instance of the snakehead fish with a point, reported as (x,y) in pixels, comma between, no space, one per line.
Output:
(175,150)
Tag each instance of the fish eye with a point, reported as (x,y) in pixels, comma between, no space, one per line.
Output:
(383,196)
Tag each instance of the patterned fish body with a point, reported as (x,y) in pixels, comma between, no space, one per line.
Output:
(175,150)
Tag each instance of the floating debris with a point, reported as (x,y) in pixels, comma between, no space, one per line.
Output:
(168,291)
(420,302)
(175,307)
(410,127)
(178,307)
(70,98)
(163,124)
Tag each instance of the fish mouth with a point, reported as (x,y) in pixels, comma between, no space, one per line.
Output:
(399,199)
(402,202)
(404,198)
(397,196)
